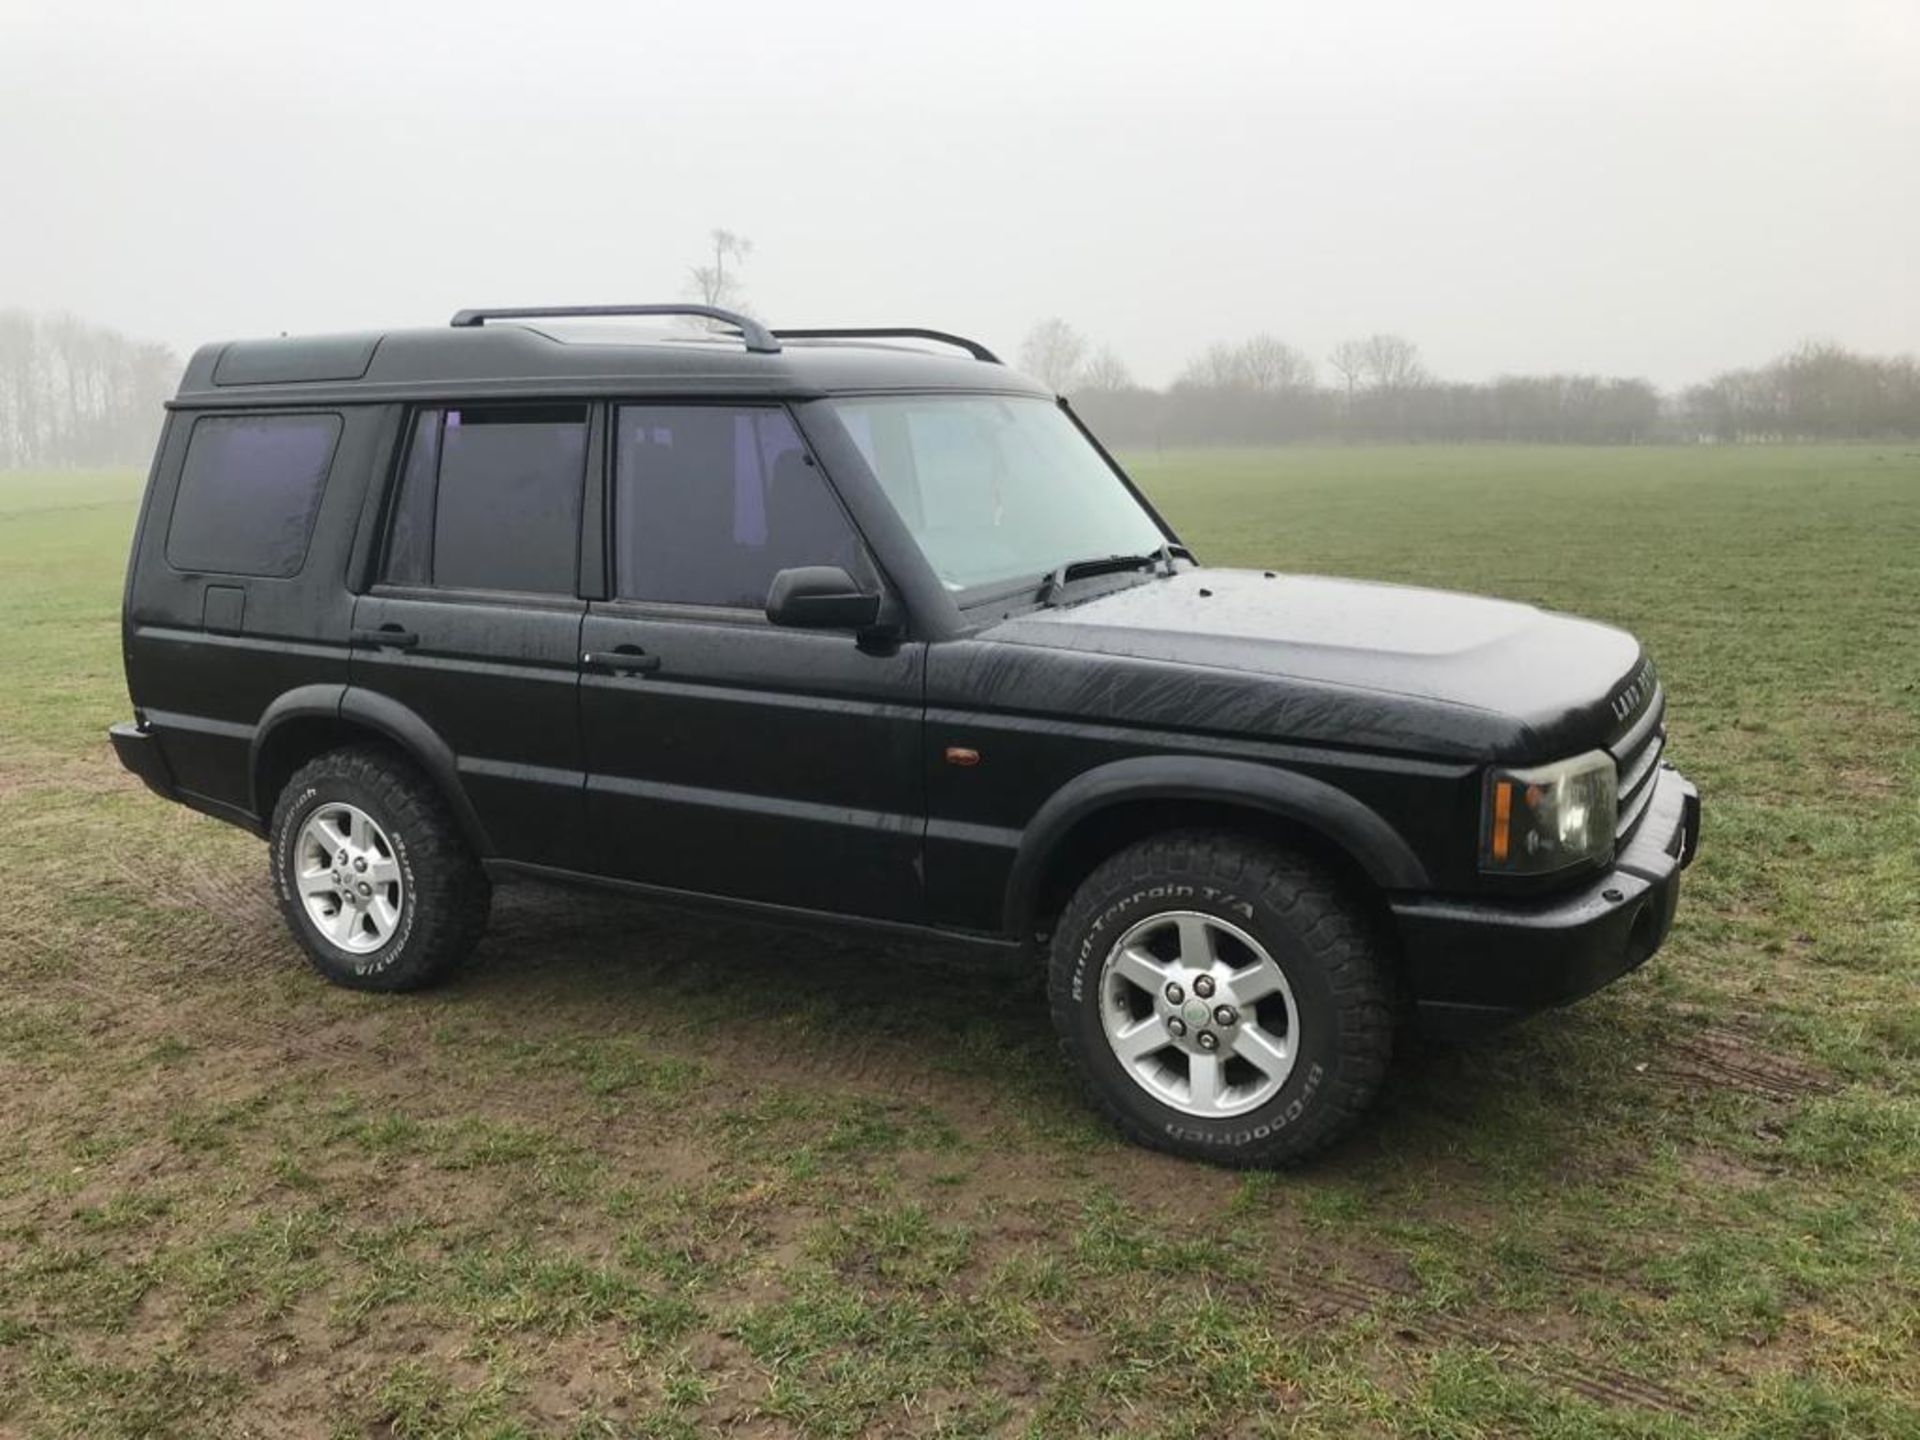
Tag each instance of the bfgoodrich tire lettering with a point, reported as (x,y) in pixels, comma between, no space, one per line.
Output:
(1292,912)
(444,894)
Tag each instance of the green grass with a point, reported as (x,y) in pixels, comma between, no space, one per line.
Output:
(639,1174)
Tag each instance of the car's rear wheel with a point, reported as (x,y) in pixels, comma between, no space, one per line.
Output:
(373,876)
(1222,997)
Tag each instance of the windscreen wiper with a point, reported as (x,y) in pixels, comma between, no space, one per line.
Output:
(1161,558)
(1164,555)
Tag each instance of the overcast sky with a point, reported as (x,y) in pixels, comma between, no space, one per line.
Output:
(1658,189)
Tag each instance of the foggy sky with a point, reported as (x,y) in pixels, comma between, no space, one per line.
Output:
(1659,189)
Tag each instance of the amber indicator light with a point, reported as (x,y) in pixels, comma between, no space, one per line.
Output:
(962,755)
(1502,815)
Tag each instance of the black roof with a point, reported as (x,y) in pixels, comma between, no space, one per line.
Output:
(521,358)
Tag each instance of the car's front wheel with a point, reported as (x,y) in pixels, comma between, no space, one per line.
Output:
(1222,997)
(373,876)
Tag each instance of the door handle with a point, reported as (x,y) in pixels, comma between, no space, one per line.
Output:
(622,660)
(390,637)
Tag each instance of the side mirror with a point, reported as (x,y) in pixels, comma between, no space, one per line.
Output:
(820,597)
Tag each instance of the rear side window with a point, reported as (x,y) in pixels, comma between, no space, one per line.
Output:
(711,501)
(490,499)
(249,490)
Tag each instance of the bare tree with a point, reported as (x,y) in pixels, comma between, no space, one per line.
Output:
(1349,359)
(714,283)
(19,414)
(1272,364)
(1264,364)
(68,341)
(1053,354)
(1392,365)
(1106,371)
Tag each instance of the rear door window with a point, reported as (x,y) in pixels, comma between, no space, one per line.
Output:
(250,488)
(489,499)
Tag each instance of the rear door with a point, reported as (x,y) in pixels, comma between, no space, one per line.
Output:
(725,755)
(473,624)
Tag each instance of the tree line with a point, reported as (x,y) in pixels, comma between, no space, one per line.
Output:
(77,394)
(1265,391)
(74,394)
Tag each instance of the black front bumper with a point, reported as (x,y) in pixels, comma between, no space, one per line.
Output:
(1473,965)
(139,751)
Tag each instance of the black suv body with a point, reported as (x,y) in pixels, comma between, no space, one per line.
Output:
(832,627)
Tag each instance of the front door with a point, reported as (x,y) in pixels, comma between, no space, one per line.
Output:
(725,755)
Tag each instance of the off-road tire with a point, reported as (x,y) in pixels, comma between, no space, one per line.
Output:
(446,894)
(1331,954)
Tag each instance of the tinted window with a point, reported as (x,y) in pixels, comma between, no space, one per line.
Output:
(249,490)
(490,499)
(711,501)
(410,535)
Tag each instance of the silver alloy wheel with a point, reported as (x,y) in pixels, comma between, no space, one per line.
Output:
(349,878)
(1199,1014)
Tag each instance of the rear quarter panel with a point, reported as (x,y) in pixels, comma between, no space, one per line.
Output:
(207,653)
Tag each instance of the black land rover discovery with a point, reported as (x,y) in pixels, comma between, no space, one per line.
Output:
(832,627)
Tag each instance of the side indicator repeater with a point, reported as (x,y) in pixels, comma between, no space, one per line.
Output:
(963,755)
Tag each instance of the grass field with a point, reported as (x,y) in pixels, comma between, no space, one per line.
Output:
(639,1174)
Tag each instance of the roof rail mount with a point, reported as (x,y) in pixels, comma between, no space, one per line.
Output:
(757,337)
(972,347)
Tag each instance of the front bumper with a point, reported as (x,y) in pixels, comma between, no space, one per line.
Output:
(139,751)
(1473,965)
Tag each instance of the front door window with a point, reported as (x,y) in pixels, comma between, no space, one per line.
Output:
(711,501)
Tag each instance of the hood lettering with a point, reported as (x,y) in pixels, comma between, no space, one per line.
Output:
(1634,693)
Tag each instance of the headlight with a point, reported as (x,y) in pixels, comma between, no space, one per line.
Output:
(1544,819)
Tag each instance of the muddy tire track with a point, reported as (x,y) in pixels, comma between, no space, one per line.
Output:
(1608,1385)
(1326,1295)
(1723,1059)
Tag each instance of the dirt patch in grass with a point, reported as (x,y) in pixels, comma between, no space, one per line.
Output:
(1717,1171)
(1723,1057)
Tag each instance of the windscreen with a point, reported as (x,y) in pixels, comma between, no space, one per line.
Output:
(996,488)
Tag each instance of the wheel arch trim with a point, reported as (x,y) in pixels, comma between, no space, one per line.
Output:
(383,716)
(304,702)
(1332,814)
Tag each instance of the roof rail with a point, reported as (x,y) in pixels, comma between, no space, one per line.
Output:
(972,347)
(757,337)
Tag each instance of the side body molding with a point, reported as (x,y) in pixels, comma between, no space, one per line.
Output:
(1314,804)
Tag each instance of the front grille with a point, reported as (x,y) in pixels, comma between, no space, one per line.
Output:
(1637,753)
